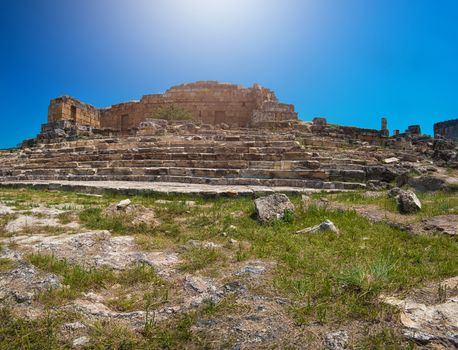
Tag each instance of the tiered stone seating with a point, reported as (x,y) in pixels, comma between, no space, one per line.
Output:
(220,157)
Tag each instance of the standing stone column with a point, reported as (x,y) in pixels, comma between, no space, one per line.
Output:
(384,130)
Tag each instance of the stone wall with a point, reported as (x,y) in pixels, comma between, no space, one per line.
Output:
(209,102)
(447,129)
(270,111)
(69,108)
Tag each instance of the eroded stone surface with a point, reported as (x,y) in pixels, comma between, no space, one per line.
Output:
(24,281)
(430,320)
(96,248)
(28,222)
(447,224)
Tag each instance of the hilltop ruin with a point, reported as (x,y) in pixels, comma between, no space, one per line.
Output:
(231,136)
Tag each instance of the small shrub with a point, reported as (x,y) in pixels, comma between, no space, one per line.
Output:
(172,112)
(367,279)
(288,216)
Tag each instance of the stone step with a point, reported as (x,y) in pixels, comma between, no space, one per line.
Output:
(316,184)
(333,175)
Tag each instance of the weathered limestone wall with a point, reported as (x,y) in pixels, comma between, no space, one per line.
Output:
(69,108)
(320,126)
(270,111)
(209,102)
(447,129)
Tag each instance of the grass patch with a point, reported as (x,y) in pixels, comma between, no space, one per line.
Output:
(200,257)
(331,279)
(367,278)
(149,242)
(29,334)
(6,264)
(386,339)
(94,218)
(433,203)
(77,279)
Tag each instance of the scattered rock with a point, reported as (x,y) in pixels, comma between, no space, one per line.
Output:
(135,214)
(372,194)
(394,192)
(408,203)
(199,284)
(272,207)
(193,243)
(447,224)
(253,269)
(81,341)
(5,210)
(235,287)
(336,341)
(377,185)
(391,160)
(23,282)
(327,225)
(122,205)
(73,326)
(426,322)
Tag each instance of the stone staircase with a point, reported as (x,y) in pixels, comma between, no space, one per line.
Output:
(215,157)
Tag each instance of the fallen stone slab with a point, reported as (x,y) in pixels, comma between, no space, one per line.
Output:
(327,225)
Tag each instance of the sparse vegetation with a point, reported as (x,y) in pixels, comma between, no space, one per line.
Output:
(6,264)
(172,112)
(198,258)
(329,279)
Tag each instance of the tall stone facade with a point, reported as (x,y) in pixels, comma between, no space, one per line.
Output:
(208,102)
(69,108)
(447,129)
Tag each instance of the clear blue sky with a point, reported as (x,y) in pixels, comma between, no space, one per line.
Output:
(351,61)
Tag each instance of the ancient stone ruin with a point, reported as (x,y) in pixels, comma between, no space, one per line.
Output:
(447,129)
(207,102)
(217,134)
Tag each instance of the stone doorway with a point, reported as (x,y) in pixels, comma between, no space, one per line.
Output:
(220,117)
(73,113)
(124,123)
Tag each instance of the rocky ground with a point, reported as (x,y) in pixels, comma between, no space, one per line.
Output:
(335,271)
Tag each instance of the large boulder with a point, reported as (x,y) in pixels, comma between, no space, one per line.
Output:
(272,207)
(408,203)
